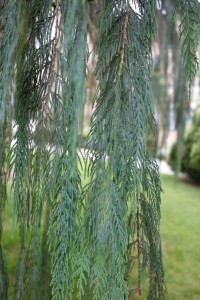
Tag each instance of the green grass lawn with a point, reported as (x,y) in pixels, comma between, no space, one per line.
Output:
(180,230)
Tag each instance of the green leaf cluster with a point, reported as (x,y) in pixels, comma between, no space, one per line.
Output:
(97,233)
(189,35)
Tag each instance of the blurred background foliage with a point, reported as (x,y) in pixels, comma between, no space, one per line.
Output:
(190,161)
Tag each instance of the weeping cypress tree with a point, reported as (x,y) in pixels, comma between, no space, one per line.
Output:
(98,234)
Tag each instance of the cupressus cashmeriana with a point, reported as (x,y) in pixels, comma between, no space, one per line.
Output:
(99,233)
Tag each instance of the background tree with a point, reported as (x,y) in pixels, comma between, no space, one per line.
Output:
(100,232)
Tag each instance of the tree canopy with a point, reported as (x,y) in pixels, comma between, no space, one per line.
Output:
(101,228)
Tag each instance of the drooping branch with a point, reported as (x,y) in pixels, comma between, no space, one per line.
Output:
(123,109)
(53,63)
(124,40)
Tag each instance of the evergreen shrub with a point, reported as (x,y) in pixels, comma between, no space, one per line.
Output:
(191,155)
(190,162)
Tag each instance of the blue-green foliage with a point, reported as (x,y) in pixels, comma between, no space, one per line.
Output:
(124,172)
(98,233)
(189,35)
(9,33)
(28,152)
(64,181)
